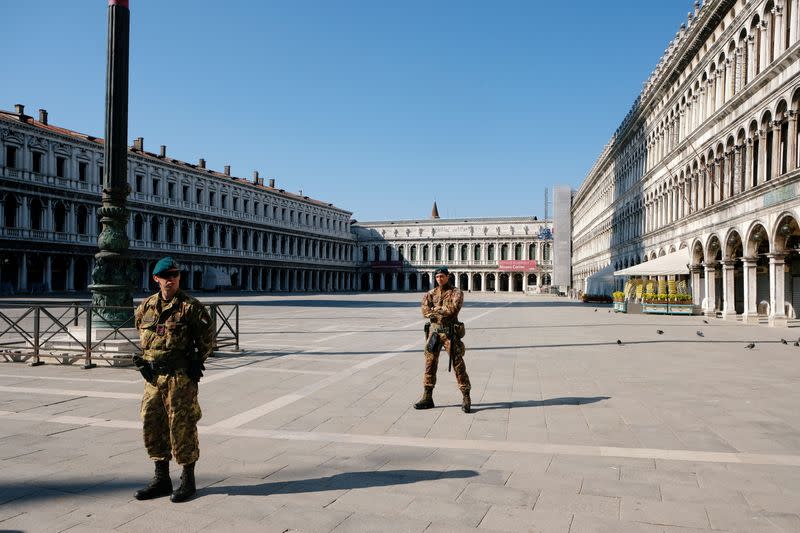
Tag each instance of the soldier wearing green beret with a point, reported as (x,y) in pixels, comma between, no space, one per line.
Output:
(177,336)
(441,306)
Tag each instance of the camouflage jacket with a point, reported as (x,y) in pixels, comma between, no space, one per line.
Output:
(174,331)
(442,305)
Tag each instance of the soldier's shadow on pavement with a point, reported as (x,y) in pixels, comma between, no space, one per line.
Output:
(343,481)
(569,400)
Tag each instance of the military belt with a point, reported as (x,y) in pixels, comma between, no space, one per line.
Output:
(164,368)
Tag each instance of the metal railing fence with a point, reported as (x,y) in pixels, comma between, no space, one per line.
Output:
(72,331)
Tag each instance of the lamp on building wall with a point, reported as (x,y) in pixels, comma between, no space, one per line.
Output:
(785,230)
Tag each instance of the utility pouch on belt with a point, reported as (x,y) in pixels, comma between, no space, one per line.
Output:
(433,342)
(459,330)
(427,329)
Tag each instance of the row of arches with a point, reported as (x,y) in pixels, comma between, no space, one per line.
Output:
(771,30)
(754,152)
(412,281)
(458,252)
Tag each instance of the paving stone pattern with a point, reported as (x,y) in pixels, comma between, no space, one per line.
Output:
(310,427)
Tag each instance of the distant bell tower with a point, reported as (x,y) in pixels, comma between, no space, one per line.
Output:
(434,211)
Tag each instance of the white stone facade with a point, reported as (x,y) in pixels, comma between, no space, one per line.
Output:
(707,161)
(401,255)
(219,227)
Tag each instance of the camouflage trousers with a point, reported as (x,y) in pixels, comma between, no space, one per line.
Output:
(170,412)
(459,367)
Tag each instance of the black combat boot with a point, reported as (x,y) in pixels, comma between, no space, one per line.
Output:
(426,402)
(466,404)
(187,488)
(160,485)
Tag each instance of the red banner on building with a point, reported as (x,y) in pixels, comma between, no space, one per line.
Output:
(517,266)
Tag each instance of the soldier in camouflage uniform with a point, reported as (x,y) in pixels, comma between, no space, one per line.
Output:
(441,305)
(177,336)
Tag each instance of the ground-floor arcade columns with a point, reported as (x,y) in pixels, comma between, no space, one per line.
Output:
(728,291)
(497,282)
(697,294)
(469,281)
(405,281)
(777,301)
(483,281)
(750,315)
(525,282)
(711,289)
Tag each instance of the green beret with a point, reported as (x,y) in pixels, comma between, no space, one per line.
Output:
(165,264)
(441,270)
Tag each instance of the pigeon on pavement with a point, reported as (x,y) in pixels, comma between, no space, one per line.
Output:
(783,341)
(796,343)
(750,346)
(659,332)
(699,333)
(619,342)
(705,321)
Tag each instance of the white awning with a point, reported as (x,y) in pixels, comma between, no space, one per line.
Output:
(601,282)
(666,265)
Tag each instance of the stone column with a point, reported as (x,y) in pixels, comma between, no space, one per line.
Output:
(71,274)
(469,281)
(511,281)
(775,171)
(524,283)
(405,281)
(711,289)
(737,170)
(22,279)
(394,281)
(728,291)
(777,302)
(777,17)
(751,58)
(794,25)
(764,46)
(730,77)
(762,156)
(48,273)
(747,161)
(719,93)
(750,315)
(483,281)
(791,142)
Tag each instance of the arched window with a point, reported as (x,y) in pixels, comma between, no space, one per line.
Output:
(425,253)
(376,251)
(476,253)
(60,217)
(546,252)
(517,252)
(414,252)
(532,251)
(234,239)
(154,229)
(464,252)
(36,213)
(223,238)
(82,221)
(138,226)
(184,232)
(170,231)
(490,253)
(198,234)
(10,211)
(451,252)
(364,254)
(400,251)
(210,234)
(504,252)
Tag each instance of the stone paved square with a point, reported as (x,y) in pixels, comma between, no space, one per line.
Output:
(311,427)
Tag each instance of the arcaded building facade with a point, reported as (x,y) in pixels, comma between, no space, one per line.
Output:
(706,164)
(508,254)
(227,232)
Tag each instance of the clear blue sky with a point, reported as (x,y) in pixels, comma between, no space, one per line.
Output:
(379,107)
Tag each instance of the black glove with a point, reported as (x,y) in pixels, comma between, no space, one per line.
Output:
(195,370)
(144,368)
